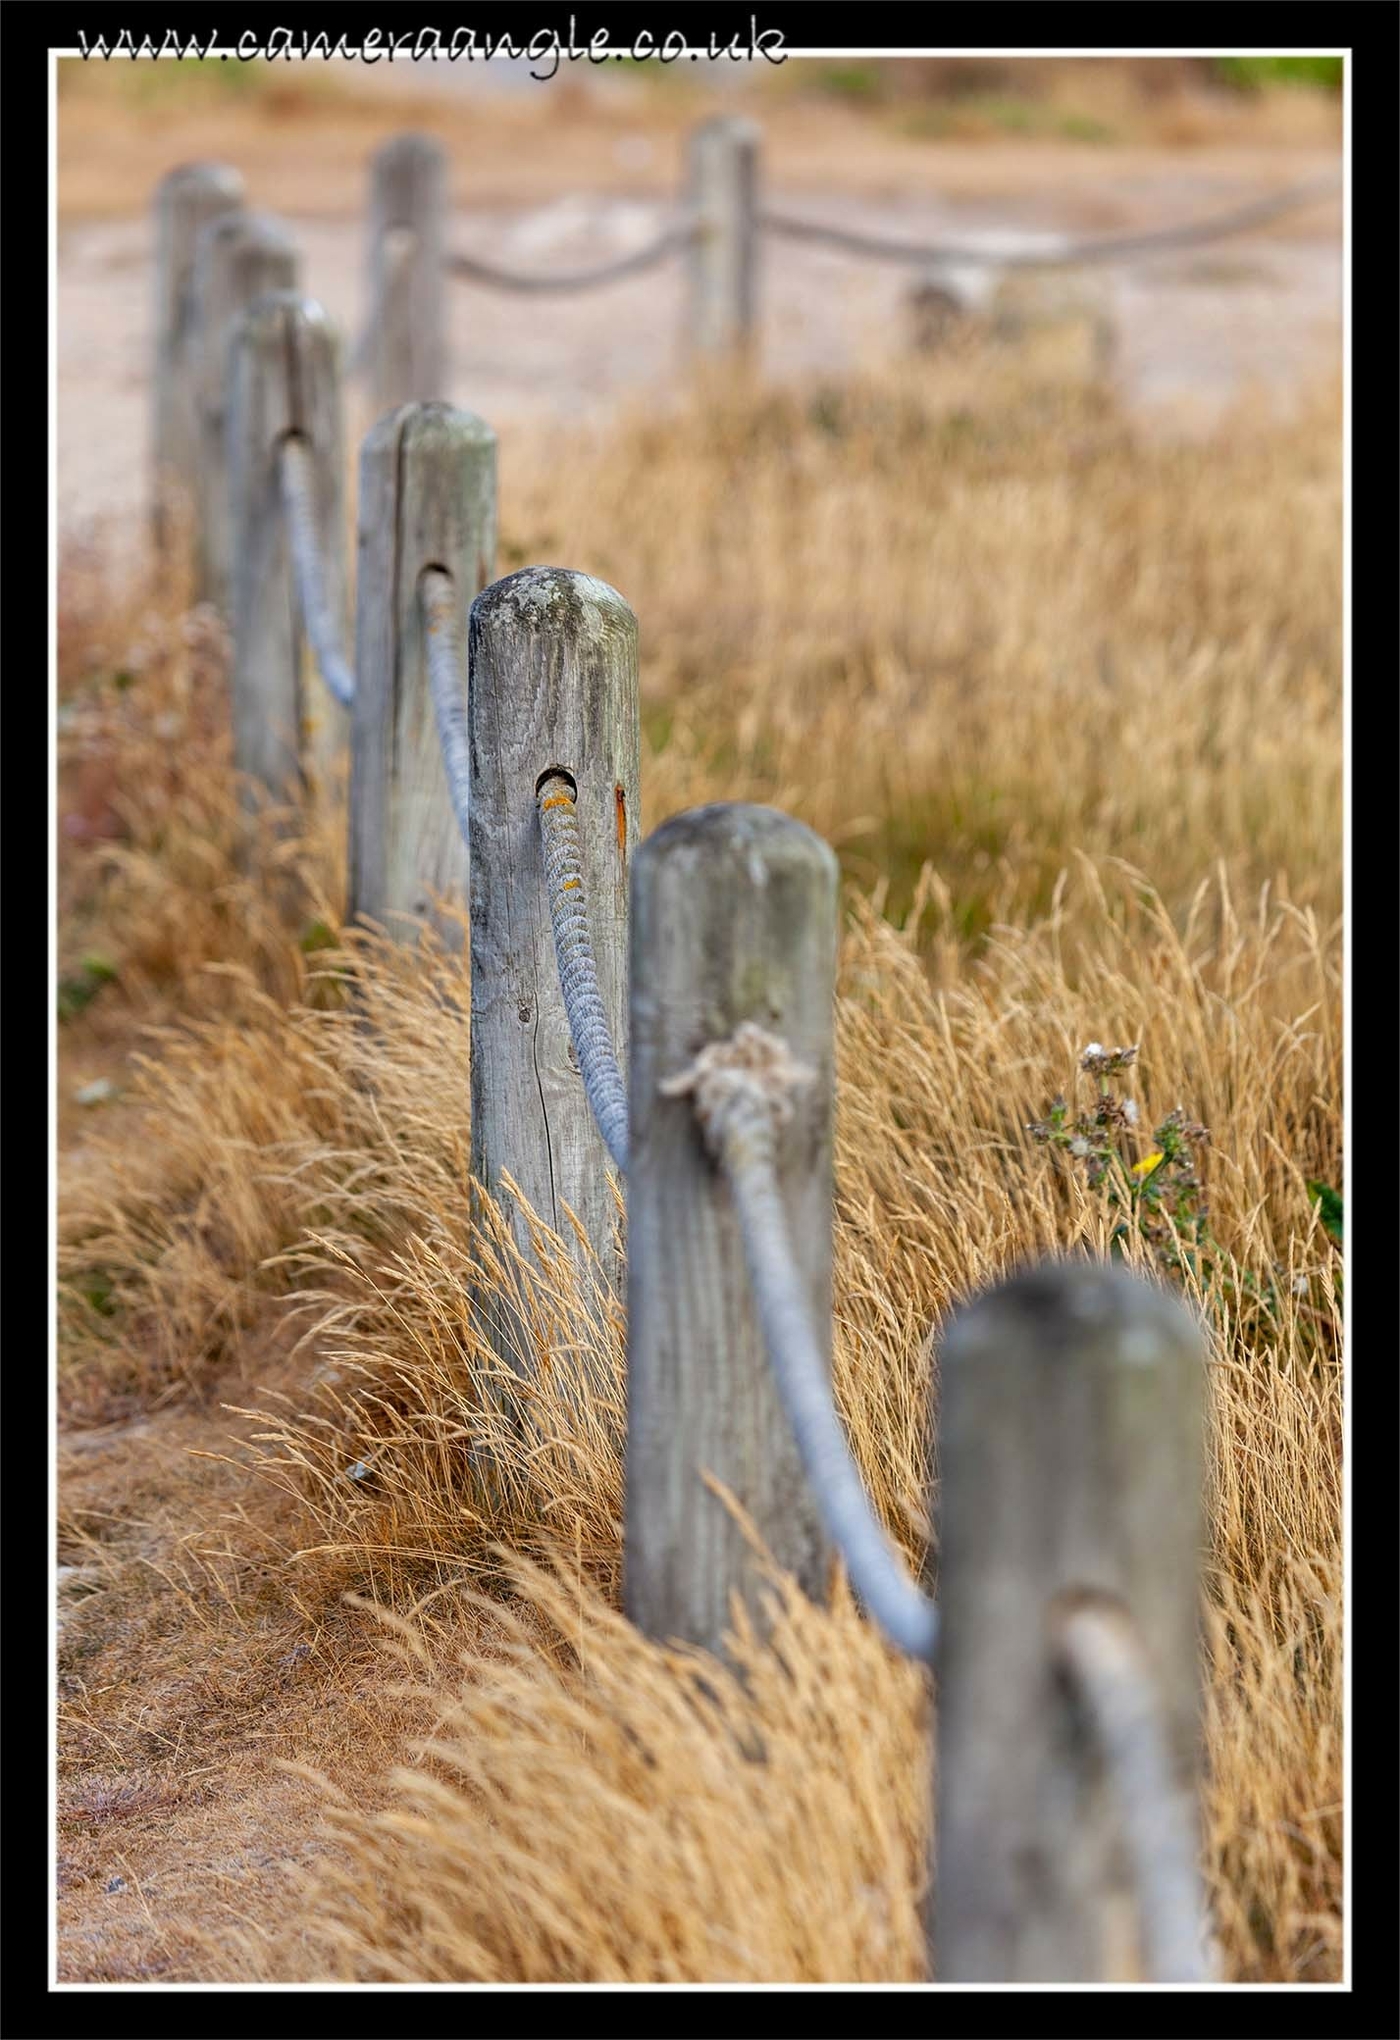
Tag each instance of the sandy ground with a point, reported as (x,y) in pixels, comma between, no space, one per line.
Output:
(1192,329)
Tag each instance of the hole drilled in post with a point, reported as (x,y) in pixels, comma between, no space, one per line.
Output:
(557,772)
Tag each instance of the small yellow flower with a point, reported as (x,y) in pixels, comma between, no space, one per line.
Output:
(1148,1163)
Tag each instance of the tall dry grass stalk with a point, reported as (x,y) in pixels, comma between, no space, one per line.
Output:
(986,649)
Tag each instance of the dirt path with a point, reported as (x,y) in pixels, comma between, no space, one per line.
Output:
(1192,330)
(199,1689)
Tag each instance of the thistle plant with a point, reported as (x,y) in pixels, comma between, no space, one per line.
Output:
(1158,1186)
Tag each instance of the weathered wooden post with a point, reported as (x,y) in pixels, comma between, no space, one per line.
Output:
(553,664)
(733,919)
(939,304)
(186,200)
(407,328)
(284,392)
(1070,1449)
(723,259)
(238,257)
(427,499)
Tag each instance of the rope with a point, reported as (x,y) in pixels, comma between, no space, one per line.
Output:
(322,628)
(1073,254)
(666,243)
(578,973)
(1099,1651)
(742,1090)
(443,650)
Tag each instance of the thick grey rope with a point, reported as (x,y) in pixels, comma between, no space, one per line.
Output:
(666,243)
(1072,254)
(679,235)
(442,643)
(742,1090)
(322,629)
(578,973)
(1099,1650)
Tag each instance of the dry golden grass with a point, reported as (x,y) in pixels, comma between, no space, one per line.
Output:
(992,643)
(310,128)
(1068,101)
(161,873)
(937,614)
(657,1774)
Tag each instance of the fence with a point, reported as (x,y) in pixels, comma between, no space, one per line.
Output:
(719,226)
(664,1009)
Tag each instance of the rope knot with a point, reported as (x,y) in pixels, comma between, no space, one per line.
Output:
(744,1085)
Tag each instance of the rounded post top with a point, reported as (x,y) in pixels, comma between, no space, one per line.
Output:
(274,309)
(754,835)
(435,423)
(727,127)
(410,147)
(219,180)
(246,229)
(551,599)
(1056,1309)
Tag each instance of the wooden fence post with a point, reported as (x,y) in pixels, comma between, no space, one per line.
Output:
(284,381)
(939,303)
(238,258)
(407,336)
(1070,1450)
(427,499)
(723,258)
(553,665)
(186,200)
(733,919)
